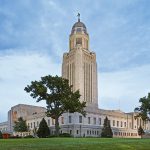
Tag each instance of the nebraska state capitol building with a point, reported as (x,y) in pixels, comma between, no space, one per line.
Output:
(80,68)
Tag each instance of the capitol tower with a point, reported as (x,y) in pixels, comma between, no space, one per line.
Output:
(79,65)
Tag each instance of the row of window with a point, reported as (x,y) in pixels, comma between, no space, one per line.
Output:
(81,41)
(90,120)
(3,129)
(114,122)
(36,124)
(96,132)
(124,134)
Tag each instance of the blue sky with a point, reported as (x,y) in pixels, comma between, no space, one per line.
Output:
(34,35)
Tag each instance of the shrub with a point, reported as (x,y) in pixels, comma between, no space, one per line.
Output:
(29,136)
(65,135)
(15,137)
(51,136)
(1,136)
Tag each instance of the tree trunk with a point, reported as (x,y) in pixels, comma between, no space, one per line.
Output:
(56,126)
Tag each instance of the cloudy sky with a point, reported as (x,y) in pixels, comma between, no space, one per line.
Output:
(34,35)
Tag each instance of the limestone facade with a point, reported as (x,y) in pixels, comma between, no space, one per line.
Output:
(21,110)
(4,126)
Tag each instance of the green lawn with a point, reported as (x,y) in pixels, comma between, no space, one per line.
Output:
(75,144)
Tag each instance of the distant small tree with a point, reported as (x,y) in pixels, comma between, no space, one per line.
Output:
(20,125)
(1,136)
(140,131)
(43,130)
(106,131)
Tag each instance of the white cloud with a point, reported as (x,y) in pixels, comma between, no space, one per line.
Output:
(18,70)
(123,89)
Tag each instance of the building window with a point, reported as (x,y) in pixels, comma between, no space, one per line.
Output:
(121,123)
(53,121)
(70,132)
(137,121)
(31,124)
(62,120)
(77,131)
(48,122)
(78,40)
(89,120)
(70,119)
(80,119)
(117,123)
(113,122)
(87,132)
(94,120)
(34,124)
(125,124)
(100,121)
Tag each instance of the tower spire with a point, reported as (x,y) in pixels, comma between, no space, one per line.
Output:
(78,17)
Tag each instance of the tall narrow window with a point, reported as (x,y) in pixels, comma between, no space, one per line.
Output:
(100,121)
(94,120)
(53,121)
(121,123)
(62,120)
(125,124)
(70,131)
(113,122)
(48,122)
(117,123)
(80,119)
(70,120)
(89,120)
(77,131)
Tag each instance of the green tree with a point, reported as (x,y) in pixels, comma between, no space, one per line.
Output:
(140,131)
(106,131)
(1,136)
(43,130)
(58,96)
(20,125)
(144,109)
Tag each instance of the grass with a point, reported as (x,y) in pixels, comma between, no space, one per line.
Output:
(75,144)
